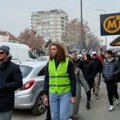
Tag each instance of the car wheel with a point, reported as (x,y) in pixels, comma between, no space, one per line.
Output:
(39,107)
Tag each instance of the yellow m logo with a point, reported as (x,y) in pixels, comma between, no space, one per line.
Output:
(112,24)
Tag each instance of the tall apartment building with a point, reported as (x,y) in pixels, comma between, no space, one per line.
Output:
(50,24)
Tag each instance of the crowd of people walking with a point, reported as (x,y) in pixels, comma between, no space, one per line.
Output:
(66,74)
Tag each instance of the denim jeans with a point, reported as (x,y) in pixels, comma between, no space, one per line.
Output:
(96,84)
(6,115)
(74,108)
(60,106)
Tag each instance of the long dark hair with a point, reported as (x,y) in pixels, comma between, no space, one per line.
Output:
(61,54)
(88,57)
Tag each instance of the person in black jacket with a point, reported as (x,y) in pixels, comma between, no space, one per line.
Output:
(98,69)
(10,80)
(88,69)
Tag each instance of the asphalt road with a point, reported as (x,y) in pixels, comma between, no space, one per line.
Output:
(26,115)
(98,111)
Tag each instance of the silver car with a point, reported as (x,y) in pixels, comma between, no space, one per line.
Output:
(29,96)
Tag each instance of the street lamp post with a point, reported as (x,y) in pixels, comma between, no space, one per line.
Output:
(105,36)
(81,14)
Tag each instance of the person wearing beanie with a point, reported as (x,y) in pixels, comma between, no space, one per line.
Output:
(5,49)
(98,69)
(93,53)
(10,80)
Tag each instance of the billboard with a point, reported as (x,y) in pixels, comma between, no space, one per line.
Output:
(110,24)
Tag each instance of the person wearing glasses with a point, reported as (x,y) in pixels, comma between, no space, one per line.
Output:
(10,80)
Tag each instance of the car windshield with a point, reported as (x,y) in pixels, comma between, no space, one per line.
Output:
(31,55)
(43,58)
(25,70)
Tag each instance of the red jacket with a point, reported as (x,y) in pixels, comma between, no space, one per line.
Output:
(100,58)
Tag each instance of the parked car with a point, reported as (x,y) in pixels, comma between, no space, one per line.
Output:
(30,95)
(42,58)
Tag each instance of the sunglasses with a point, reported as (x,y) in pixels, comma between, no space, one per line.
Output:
(1,53)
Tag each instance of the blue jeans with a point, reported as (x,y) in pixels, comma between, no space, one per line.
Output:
(60,106)
(6,115)
(74,108)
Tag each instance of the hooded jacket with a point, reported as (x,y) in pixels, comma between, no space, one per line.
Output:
(10,80)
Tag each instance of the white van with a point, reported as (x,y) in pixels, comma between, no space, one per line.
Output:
(19,52)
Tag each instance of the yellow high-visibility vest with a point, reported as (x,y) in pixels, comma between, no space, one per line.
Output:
(59,81)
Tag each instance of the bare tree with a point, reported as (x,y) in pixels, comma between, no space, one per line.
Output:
(28,37)
(92,41)
(73,34)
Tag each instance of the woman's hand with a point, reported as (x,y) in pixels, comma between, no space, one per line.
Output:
(45,100)
(73,100)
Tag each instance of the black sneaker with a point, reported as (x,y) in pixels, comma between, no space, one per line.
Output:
(88,105)
(71,118)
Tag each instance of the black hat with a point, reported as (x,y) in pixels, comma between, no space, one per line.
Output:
(5,49)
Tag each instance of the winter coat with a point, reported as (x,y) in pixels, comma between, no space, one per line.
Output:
(100,58)
(111,69)
(83,81)
(80,79)
(97,66)
(10,80)
(88,71)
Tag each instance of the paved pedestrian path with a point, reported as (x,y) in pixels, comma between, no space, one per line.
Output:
(99,108)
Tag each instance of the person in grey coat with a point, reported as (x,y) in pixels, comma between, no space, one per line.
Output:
(10,80)
(80,80)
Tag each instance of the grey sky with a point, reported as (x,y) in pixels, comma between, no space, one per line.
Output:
(15,15)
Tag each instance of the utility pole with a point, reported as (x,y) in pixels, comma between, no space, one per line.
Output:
(81,14)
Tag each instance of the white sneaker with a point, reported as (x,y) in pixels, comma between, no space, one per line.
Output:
(117,102)
(76,117)
(97,97)
(111,108)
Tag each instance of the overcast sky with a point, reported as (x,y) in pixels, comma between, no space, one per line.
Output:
(15,15)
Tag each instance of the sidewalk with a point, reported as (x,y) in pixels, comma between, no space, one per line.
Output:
(99,108)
